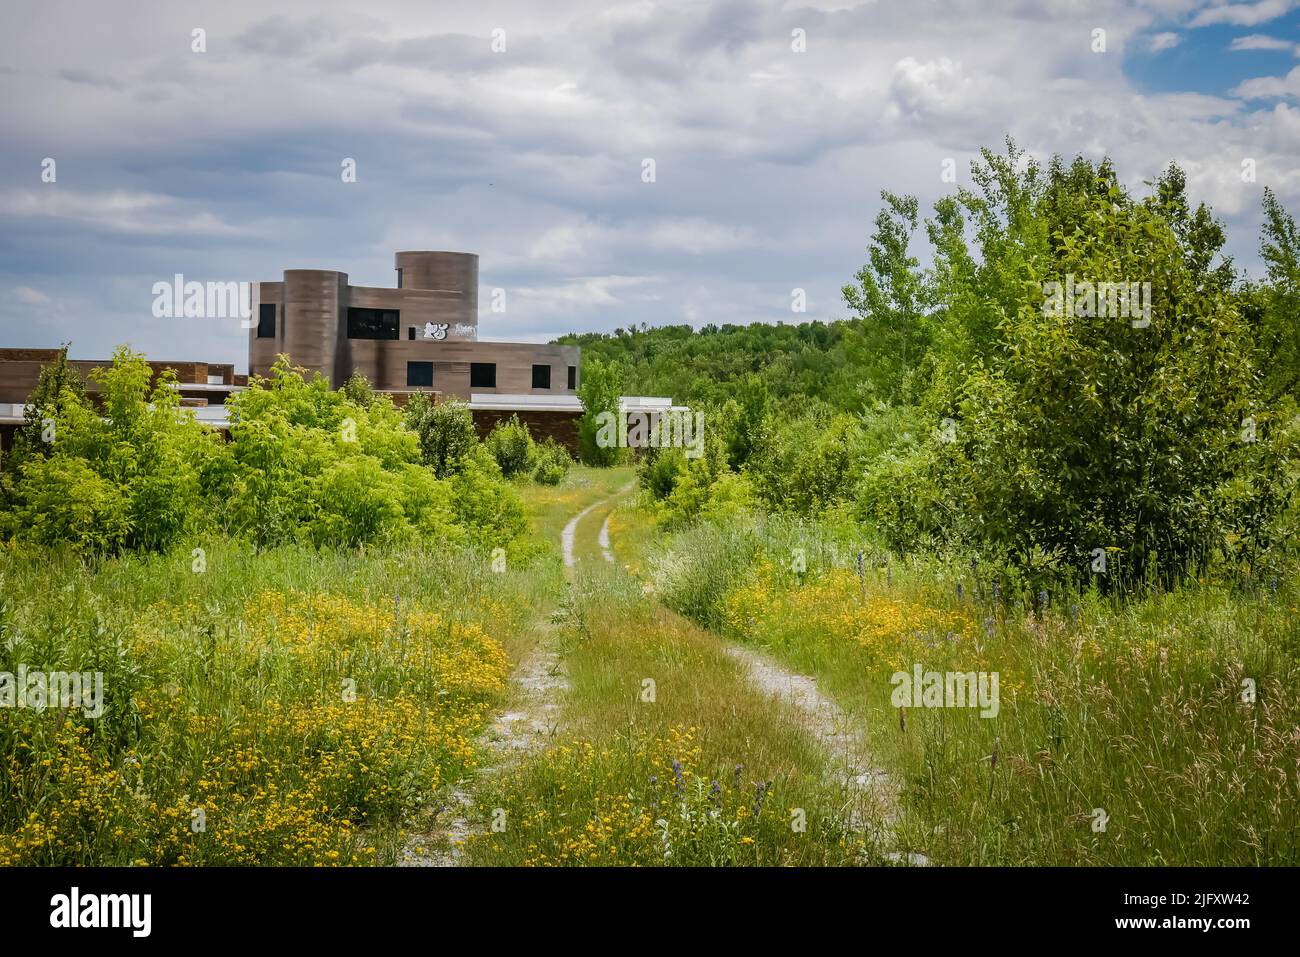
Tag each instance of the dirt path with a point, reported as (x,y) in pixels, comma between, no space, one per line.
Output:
(603,539)
(531,721)
(872,798)
(571,531)
(873,804)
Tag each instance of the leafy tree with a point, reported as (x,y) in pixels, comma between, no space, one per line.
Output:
(601,388)
(445,430)
(46,403)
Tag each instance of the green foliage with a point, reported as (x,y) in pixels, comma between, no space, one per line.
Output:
(304,464)
(553,462)
(691,489)
(804,463)
(445,430)
(142,464)
(893,300)
(1072,430)
(47,402)
(64,500)
(487,506)
(358,390)
(1276,303)
(602,385)
(512,446)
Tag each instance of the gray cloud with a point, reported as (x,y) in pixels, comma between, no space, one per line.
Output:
(769,162)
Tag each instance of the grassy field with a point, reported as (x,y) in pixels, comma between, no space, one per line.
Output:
(296,706)
(288,706)
(1156,730)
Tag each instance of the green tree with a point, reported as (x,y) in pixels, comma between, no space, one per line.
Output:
(601,388)
(445,429)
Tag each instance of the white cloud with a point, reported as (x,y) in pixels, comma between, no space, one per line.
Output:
(116,211)
(934,88)
(770,162)
(1242,14)
(1268,87)
(30,296)
(1258,41)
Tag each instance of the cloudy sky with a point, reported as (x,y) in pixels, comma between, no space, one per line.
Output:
(768,160)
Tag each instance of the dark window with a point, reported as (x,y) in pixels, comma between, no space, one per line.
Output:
(541,377)
(573,377)
(410,333)
(372,324)
(266,320)
(419,373)
(483,375)
(399,278)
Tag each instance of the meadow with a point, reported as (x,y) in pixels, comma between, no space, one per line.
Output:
(1131,731)
(286,706)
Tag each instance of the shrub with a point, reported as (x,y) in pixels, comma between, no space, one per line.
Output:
(358,390)
(445,430)
(804,463)
(144,447)
(553,463)
(62,499)
(512,447)
(660,470)
(489,508)
(355,501)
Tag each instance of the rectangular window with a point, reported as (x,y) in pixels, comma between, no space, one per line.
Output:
(266,320)
(399,278)
(541,377)
(373,323)
(419,374)
(410,333)
(483,375)
(573,377)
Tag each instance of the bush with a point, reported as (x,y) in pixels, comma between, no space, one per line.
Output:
(553,463)
(489,508)
(62,499)
(806,463)
(358,390)
(354,502)
(660,469)
(512,446)
(445,430)
(137,465)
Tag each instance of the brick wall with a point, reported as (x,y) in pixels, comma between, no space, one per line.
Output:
(560,426)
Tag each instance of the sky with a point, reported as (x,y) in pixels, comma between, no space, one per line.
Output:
(521,131)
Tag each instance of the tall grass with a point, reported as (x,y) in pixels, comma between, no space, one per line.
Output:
(1122,736)
(289,706)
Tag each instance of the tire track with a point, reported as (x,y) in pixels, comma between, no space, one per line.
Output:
(873,798)
(531,720)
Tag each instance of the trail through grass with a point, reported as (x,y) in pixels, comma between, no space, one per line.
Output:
(668,754)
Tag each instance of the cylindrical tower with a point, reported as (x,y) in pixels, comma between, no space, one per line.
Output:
(444,272)
(314,305)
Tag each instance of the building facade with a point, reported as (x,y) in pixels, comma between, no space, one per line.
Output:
(420,335)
